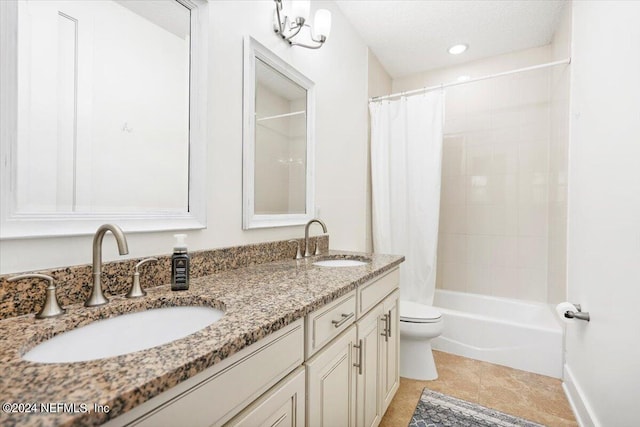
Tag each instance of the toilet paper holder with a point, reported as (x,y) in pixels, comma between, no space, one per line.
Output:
(582,315)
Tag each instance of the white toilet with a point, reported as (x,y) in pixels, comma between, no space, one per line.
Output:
(419,324)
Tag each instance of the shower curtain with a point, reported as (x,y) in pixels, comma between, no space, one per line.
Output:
(406,157)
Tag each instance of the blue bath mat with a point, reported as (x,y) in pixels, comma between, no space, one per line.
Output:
(439,410)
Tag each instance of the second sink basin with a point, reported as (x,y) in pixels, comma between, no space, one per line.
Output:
(343,262)
(124,334)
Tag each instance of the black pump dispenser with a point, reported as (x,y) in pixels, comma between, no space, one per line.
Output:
(180,265)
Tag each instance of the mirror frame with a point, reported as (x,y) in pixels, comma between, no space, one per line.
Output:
(253,51)
(15,225)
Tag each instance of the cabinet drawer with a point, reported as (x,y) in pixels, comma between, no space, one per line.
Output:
(282,406)
(373,292)
(327,322)
(225,390)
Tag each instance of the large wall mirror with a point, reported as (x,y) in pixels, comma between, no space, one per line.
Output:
(277,141)
(105,103)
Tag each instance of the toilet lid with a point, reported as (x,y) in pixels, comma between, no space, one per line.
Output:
(418,313)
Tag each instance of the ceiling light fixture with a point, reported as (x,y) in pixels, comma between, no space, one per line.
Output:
(289,27)
(458,49)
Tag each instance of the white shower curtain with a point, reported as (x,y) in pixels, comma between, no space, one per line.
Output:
(406,157)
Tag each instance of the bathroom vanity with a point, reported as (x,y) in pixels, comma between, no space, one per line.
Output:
(338,394)
(301,343)
(341,360)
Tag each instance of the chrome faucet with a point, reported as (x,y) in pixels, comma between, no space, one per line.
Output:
(307,252)
(96,297)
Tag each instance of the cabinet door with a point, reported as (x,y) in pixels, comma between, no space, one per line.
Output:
(331,383)
(390,363)
(370,340)
(282,406)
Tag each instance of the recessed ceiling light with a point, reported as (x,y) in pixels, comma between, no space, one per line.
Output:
(464,78)
(458,49)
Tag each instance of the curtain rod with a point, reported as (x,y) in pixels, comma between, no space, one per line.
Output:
(490,76)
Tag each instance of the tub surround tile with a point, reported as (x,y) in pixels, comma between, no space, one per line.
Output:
(258,299)
(74,283)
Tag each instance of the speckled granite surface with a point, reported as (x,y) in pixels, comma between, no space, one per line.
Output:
(258,300)
(74,283)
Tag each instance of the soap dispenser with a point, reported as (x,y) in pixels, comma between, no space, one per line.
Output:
(180,264)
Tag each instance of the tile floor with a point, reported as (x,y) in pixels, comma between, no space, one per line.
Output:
(523,394)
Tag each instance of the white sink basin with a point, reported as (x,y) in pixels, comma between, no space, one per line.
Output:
(124,334)
(339,263)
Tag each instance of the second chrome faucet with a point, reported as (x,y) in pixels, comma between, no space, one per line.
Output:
(307,249)
(97,298)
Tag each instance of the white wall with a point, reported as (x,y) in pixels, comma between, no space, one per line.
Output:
(339,70)
(493,236)
(603,356)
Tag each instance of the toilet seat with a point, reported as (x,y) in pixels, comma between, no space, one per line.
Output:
(418,313)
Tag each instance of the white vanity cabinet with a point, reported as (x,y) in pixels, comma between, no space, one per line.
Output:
(351,381)
(336,367)
(215,395)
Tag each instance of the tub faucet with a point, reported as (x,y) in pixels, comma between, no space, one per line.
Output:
(96,297)
(307,252)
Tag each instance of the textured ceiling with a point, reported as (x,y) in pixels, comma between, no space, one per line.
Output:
(413,36)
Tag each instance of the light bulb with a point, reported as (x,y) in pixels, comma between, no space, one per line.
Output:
(322,23)
(300,9)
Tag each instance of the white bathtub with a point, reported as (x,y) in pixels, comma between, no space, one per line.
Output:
(519,334)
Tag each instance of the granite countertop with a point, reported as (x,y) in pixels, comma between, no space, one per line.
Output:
(257,301)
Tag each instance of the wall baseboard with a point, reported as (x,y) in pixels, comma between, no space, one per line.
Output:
(577,399)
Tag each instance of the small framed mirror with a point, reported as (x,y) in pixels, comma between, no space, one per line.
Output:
(278,154)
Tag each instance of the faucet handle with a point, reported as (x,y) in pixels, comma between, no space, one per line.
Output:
(298,253)
(317,252)
(136,290)
(51,307)
(143,262)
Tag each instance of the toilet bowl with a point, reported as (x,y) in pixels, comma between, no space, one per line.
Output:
(419,324)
